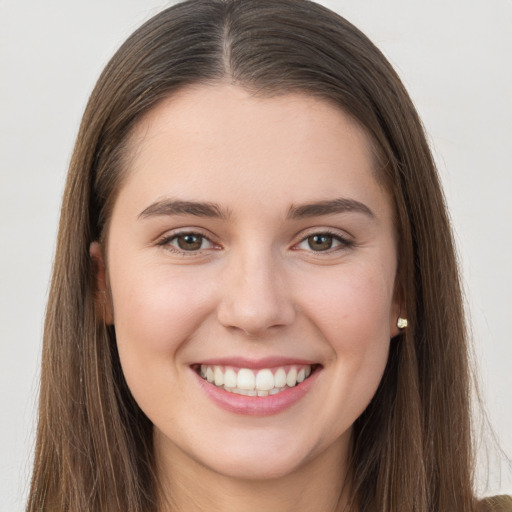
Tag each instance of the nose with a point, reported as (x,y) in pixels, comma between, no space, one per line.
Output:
(255,297)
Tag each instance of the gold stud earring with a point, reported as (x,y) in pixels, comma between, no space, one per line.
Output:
(401,323)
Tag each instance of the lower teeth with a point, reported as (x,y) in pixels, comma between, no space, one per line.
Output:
(253,392)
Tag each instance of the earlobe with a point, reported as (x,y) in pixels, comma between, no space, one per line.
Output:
(393,327)
(102,300)
(397,321)
(397,318)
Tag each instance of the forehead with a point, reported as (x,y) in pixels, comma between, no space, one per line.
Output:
(223,113)
(220,142)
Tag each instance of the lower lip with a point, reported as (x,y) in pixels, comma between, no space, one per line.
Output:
(257,405)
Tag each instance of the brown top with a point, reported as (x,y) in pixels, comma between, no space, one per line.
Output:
(501,503)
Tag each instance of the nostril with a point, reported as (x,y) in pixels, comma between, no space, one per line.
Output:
(252,319)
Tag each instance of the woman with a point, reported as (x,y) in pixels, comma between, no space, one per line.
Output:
(255,301)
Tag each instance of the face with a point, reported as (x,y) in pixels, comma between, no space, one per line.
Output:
(251,259)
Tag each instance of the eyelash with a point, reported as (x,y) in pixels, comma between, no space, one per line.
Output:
(167,240)
(342,242)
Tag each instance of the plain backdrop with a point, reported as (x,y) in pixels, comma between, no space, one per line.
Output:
(453,55)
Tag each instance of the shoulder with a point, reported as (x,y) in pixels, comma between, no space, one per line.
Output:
(501,503)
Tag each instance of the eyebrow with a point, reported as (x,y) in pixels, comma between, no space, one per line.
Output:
(174,207)
(212,210)
(329,207)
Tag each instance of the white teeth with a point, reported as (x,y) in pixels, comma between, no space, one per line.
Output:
(291,377)
(264,380)
(245,379)
(230,378)
(255,383)
(280,378)
(218,376)
(245,392)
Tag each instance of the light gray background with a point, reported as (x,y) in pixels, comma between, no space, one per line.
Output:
(455,58)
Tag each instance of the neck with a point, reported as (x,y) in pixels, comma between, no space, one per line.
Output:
(319,484)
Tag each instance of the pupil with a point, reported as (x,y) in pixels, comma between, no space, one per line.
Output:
(189,242)
(320,242)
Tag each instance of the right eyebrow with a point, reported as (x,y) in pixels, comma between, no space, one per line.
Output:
(177,207)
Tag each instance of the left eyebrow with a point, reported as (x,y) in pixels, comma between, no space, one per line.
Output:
(329,207)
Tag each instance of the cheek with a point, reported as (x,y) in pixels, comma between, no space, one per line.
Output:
(352,309)
(352,312)
(155,312)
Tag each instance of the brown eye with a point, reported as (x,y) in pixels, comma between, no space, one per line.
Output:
(189,242)
(324,242)
(320,242)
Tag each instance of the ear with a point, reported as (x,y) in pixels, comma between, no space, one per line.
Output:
(102,298)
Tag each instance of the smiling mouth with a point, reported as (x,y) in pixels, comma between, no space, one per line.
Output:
(251,382)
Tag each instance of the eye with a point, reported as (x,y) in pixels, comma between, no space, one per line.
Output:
(323,242)
(187,242)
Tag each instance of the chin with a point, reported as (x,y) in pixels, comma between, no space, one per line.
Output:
(260,458)
(260,467)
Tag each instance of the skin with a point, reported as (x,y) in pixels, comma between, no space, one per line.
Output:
(256,288)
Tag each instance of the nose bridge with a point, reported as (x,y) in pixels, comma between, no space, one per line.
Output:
(254,295)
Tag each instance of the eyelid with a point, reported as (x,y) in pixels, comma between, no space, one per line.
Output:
(345,241)
(165,240)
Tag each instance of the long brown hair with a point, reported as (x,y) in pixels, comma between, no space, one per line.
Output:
(412,445)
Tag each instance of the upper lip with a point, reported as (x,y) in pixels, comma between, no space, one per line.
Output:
(266,362)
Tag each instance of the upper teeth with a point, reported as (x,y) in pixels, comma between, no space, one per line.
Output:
(255,382)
